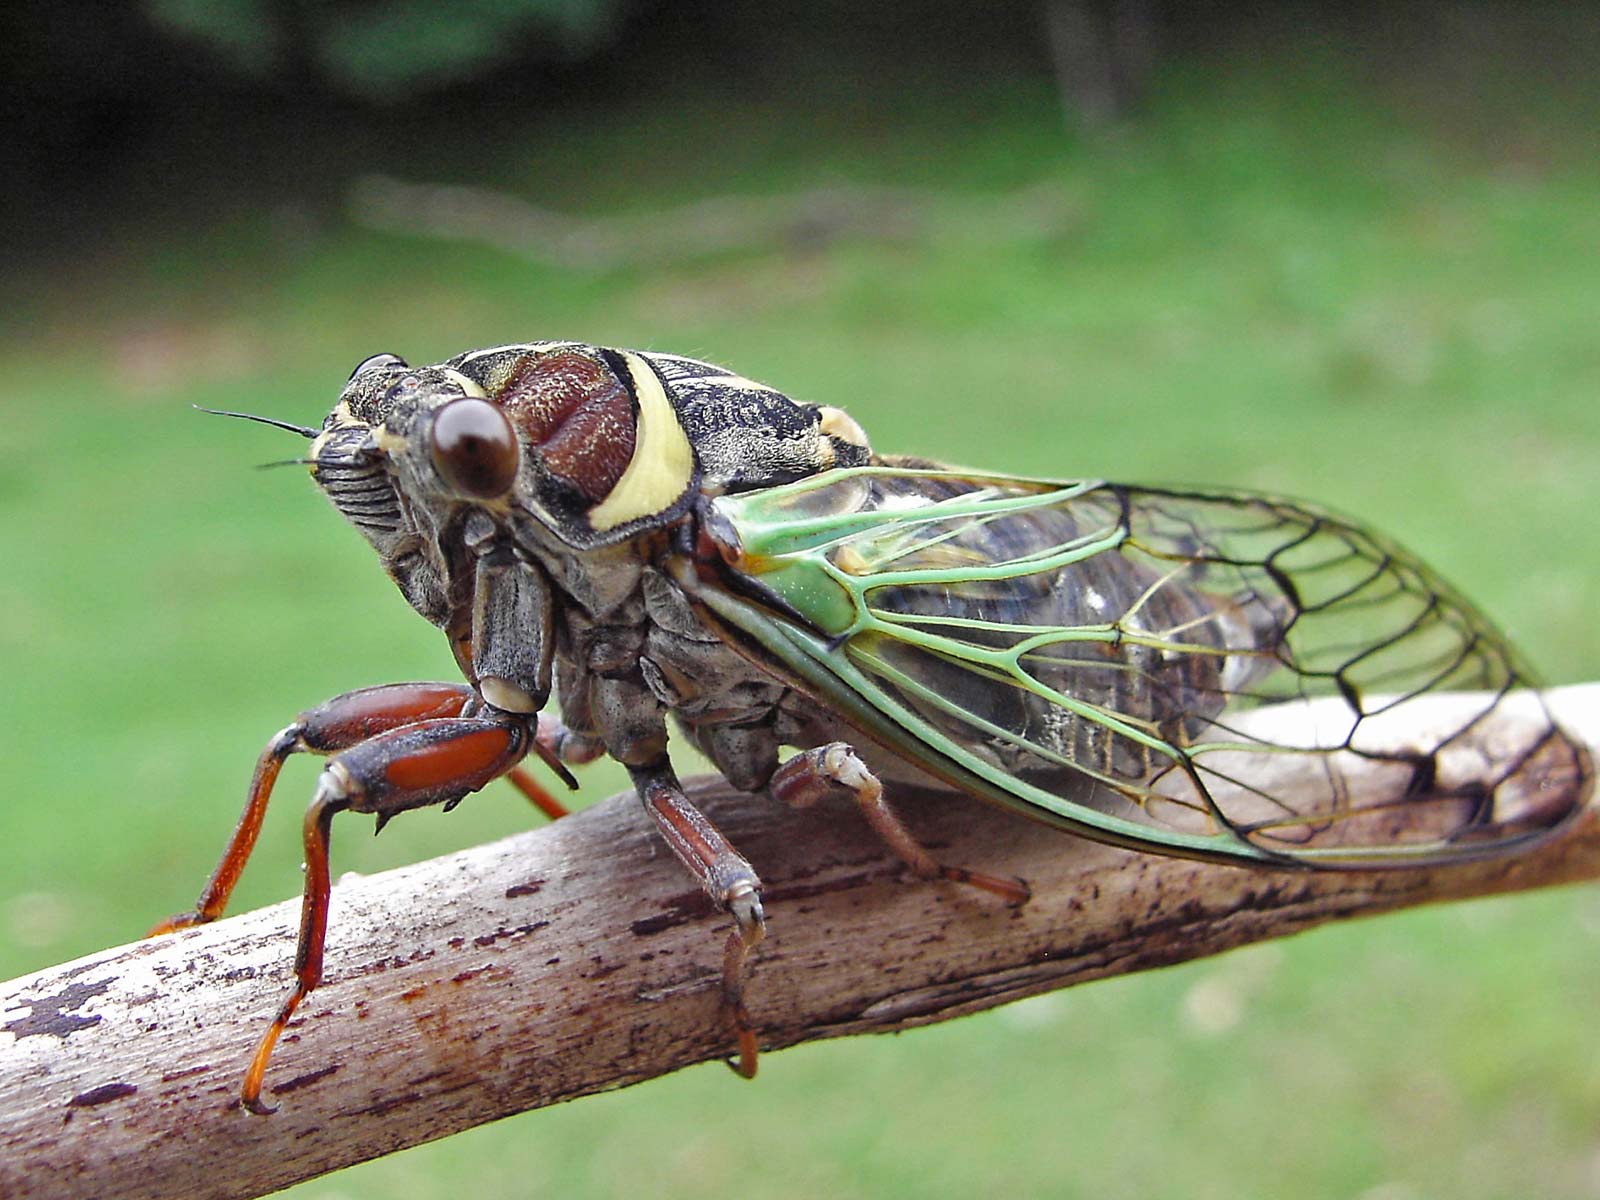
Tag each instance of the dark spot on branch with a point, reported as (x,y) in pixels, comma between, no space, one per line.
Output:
(306,1080)
(532,888)
(173,1076)
(103,1094)
(785,892)
(55,1015)
(1190,912)
(75,971)
(1276,897)
(489,939)
(679,910)
(383,1106)
(647,926)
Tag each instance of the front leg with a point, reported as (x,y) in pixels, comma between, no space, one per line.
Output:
(429,762)
(395,747)
(339,724)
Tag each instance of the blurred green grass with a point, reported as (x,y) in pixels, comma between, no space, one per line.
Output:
(1278,280)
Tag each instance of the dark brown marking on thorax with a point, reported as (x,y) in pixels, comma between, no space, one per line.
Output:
(576,414)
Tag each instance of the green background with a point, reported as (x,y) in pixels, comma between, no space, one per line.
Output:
(1315,262)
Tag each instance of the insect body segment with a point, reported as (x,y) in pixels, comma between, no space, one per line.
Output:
(639,536)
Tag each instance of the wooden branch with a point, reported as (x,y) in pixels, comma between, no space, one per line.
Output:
(579,958)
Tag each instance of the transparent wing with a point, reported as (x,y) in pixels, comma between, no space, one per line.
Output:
(1226,675)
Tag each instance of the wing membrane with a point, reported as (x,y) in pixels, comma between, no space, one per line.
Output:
(1220,674)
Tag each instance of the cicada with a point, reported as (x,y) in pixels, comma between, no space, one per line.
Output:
(643,536)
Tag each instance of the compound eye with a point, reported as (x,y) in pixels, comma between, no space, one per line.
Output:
(378,362)
(474,448)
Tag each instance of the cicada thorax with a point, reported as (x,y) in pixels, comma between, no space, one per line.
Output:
(619,442)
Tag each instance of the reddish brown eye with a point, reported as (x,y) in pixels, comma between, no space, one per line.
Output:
(474,448)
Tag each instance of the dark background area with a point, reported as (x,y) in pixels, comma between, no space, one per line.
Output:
(162,110)
(111,106)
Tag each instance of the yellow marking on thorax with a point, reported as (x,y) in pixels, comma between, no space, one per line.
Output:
(662,465)
(835,422)
(340,418)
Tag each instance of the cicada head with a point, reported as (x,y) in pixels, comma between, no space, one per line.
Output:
(564,446)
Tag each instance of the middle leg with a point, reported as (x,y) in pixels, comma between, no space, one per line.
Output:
(730,881)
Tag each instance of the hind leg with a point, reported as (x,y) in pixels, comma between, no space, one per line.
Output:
(811,774)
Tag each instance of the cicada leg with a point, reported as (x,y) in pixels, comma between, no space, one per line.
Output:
(428,762)
(536,794)
(730,881)
(346,721)
(394,747)
(559,747)
(335,725)
(811,774)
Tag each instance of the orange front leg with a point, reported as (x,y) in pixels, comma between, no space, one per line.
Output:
(334,725)
(394,747)
(429,762)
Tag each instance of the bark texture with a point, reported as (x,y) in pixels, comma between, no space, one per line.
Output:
(579,957)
